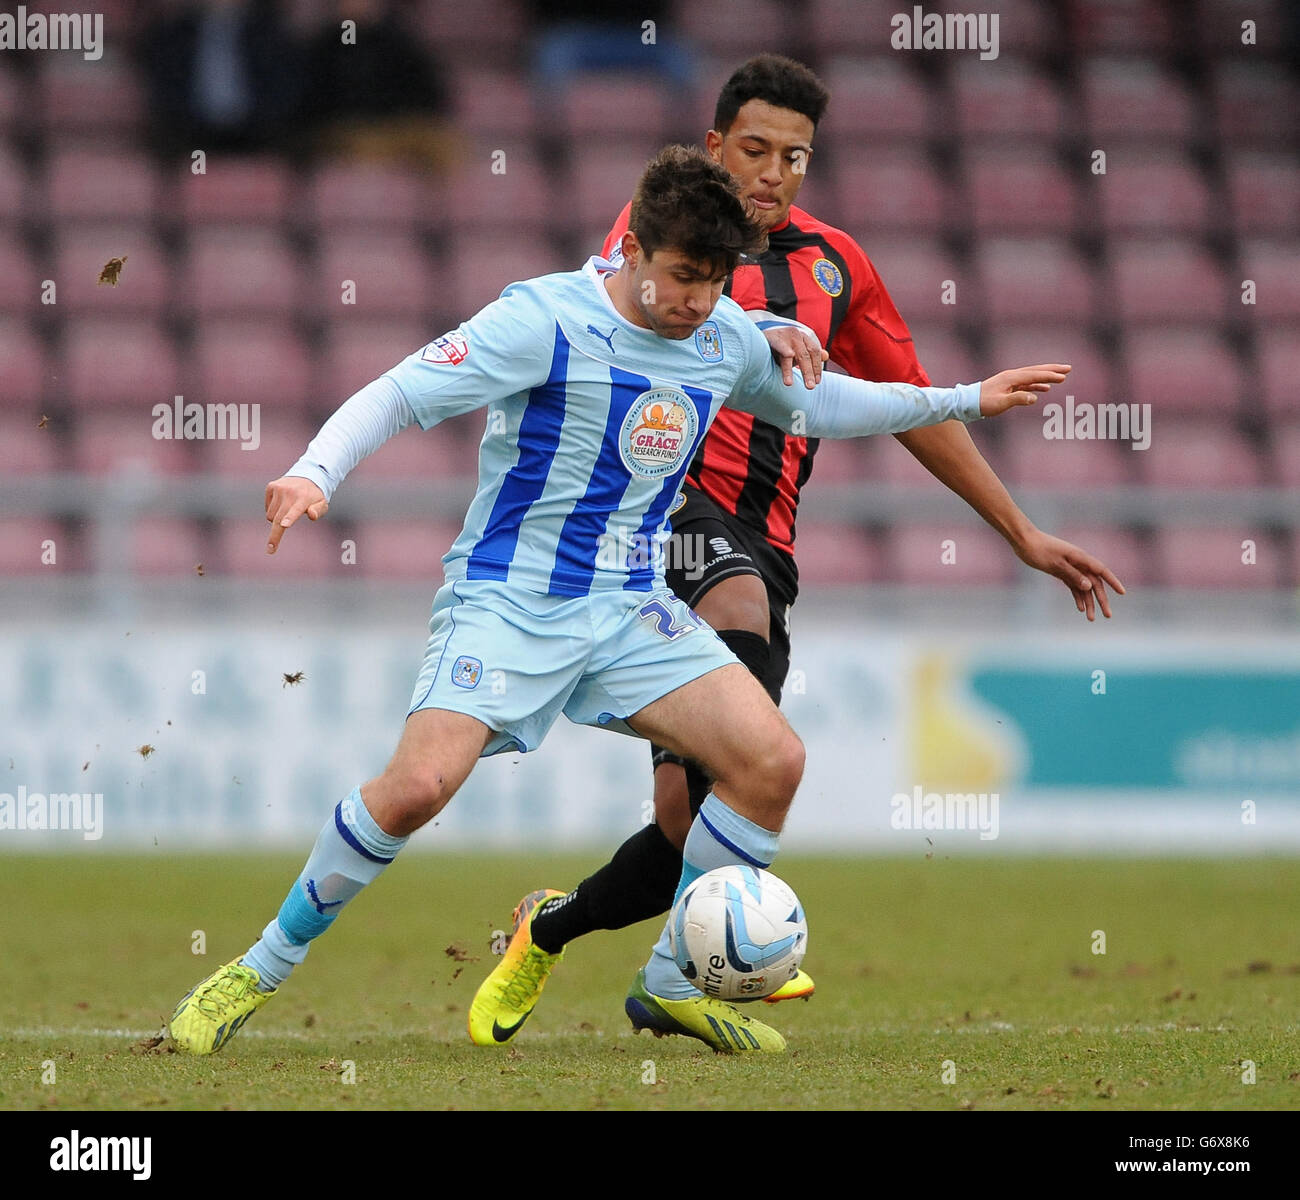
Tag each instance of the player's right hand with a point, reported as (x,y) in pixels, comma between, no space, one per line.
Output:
(1007,389)
(287,498)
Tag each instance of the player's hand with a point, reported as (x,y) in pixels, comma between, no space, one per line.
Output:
(1020,385)
(793,347)
(287,498)
(1084,575)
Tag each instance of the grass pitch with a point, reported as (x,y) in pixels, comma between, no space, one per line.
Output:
(942,984)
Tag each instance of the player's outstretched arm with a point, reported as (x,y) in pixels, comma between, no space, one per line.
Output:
(1018,386)
(287,498)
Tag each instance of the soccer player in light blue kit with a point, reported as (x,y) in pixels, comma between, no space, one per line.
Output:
(599,384)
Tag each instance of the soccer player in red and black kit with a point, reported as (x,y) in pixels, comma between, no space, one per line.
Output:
(742,491)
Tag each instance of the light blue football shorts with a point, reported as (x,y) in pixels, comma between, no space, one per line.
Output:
(516,659)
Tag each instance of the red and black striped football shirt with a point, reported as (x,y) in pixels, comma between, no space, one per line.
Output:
(818,275)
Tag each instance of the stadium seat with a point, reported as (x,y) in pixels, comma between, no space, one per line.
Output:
(239,548)
(732,29)
(915,554)
(1262,191)
(518,197)
(1030,459)
(1278,354)
(1119,26)
(1217,28)
(1091,379)
(282,438)
(848,26)
(79,97)
(1275,268)
(877,98)
(25,448)
(144,283)
(602,181)
(1188,370)
(13,96)
(22,546)
(836,553)
(915,272)
(124,443)
(842,460)
(230,271)
(166,546)
(1166,280)
(26,373)
(22,282)
(391,273)
(14,183)
(1019,191)
(895,191)
(100,185)
(1005,98)
(356,350)
(1285,441)
(944,355)
(109,361)
(493,104)
(238,361)
(1203,453)
(493,31)
(1212,558)
(1034,279)
(1254,104)
(236,190)
(1150,195)
(1124,100)
(1122,550)
(342,195)
(404,550)
(483,264)
(606,106)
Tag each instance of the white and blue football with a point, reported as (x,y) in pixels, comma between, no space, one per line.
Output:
(738,933)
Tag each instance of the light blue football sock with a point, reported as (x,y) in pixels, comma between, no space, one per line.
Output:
(350,852)
(719,837)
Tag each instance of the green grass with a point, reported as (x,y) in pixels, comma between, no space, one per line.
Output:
(986,964)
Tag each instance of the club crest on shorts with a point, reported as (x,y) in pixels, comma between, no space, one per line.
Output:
(466,672)
(708,341)
(828,277)
(658,432)
(450,349)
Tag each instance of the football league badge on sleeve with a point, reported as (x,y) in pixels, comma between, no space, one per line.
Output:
(708,341)
(450,349)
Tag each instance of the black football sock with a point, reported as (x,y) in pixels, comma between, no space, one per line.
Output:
(636,884)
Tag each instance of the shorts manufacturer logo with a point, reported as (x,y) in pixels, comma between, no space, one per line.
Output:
(466,672)
(658,433)
(450,349)
(828,277)
(708,341)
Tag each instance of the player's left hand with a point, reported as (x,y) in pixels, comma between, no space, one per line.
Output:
(1020,385)
(791,347)
(1084,575)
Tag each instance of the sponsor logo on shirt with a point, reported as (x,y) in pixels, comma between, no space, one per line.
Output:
(466,672)
(450,349)
(828,277)
(708,341)
(658,433)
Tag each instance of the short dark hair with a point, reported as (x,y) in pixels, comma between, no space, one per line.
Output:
(687,202)
(780,81)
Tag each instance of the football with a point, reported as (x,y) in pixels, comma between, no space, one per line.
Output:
(738,933)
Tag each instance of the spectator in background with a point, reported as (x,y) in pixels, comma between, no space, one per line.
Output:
(372,91)
(581,35)
(222,75)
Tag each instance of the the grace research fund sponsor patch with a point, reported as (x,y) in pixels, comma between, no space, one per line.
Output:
(708,341)
(450,349)
(828,276)
(658,432)
(466,672)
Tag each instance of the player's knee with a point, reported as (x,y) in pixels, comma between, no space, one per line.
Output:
(412,796)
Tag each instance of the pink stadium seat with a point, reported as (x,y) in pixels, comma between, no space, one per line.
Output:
(144,284)
(835,553)
(14,183)
(13,95)
(1275,268)
(357,350)
(243,362)
(607,106)
(82,97)
(915,271)
(1005,98)
(310,552)
(1120,549)
(167,546)
(1030,459)
(391,274)
(733,28)
(915,554)
(1212,558)
(1218,28)
(1128,100)
(25,448)
(1254,104)
(22,288)
(102,185)
(849,26)
(1198,454)
(1091,380)
(520,197)
(124,442)
(1159,281)
(482,265)
(1038,279)
(1278,352)
(236,190)
(841,460)
(1150,196)
(1262,191)
(877,98)
(945,356)
(21,550)
(281,440)
(494,30)
(1285,440)
(894,191)
(240,272)
(404,549)
(365,194)
(603,180)
(1184,371)
(493,104)
(1020,192)
(1123,26)
(118,361)
(26,375)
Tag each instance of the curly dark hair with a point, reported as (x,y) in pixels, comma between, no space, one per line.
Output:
(688,203)
(780,81)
